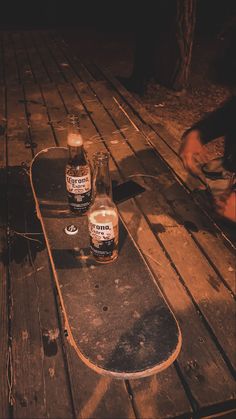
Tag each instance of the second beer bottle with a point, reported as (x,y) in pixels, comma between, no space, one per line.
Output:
(78,170)
(103,217)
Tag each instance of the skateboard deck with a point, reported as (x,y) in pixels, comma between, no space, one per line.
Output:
(115,316)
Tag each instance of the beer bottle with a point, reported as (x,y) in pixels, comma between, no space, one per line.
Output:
(78,170)
(103,215)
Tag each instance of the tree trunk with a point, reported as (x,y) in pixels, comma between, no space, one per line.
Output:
(185,25)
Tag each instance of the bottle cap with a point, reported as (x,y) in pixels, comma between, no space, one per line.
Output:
(74,139)
(71,229)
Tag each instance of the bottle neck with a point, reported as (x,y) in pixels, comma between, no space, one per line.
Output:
(77,154)
(102,180)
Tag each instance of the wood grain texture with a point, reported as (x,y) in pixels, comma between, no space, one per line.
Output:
(160,213)
(18,141)
(62,60)
(191,258)
(9,60)
(50,65)
(2,66)
(188,213)
(5,358)
(81,70)
(22,59)
(38,66)
(168,149)
(94,142)
(150,205)
(39,382)
(102,404)
(159,264)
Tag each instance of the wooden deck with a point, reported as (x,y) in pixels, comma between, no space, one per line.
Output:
(190,254)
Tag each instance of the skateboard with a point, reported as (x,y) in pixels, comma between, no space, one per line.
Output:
(115,316)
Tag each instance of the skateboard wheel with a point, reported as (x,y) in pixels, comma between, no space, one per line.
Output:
(71,229)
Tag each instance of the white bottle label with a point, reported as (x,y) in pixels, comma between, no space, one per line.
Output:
(101,231)
(78,185)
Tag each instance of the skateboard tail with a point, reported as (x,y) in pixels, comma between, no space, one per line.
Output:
(152,276)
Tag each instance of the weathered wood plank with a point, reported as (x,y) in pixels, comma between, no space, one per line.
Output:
(195,220)
(227,414)
(200,368)
(120,154)
(38,67)
(29,388)
(5,391)
(153,398)
(9,59)
(23,64)
(57,391)
(144,122)
(96,396)
(3,125)
(2,67)
(80,69)
(40,385)
(106,406)
(4,359)
(57,113)
(164,143)
(93,143)
(94,70)
(207,285)
(26,339)
(41,132)
(63,63)
(57,383)
(198,349)
(47,59)
(18,142)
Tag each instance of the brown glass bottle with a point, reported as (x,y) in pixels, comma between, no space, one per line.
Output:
(78,170)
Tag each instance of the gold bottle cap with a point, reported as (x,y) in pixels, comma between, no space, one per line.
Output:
(74,139)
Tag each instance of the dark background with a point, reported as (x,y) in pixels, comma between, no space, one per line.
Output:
(215,23)
(104,15)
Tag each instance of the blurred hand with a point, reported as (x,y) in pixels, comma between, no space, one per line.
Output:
(191,152)
(226,207)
